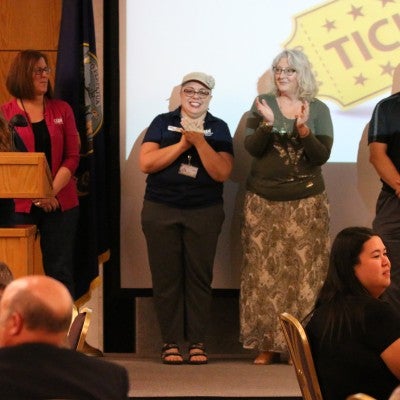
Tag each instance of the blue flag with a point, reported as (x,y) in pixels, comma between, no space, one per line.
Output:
(77,82)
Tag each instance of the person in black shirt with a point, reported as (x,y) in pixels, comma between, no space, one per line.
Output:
(35,363)
(187,154)
(354,334)
(384,145)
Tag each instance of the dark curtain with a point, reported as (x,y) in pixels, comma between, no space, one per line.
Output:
(118,303)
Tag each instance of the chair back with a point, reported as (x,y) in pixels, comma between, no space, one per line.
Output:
(360,396)
(300,353)
(78,329)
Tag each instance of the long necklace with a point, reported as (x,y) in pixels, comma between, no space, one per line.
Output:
(287,143)
(282,124)
(290,108)
(26,113)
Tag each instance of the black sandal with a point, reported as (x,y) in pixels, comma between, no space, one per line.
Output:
(171,350)
(197,350)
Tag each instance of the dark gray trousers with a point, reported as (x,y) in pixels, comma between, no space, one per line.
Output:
(181,246)
(387,225)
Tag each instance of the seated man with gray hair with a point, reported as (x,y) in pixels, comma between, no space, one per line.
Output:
(35,314)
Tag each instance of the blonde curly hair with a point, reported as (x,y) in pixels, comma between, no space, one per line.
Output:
(308,87)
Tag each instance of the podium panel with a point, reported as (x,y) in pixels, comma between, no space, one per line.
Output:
(19,250)
(24,175)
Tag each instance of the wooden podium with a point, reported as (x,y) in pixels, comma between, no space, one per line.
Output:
(18,250)
(23,175)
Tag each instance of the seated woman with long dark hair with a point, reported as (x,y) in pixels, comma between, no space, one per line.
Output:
(354,335)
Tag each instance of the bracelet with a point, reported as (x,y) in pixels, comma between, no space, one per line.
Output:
(266,124)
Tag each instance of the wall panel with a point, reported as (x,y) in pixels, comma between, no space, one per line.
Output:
(27,24)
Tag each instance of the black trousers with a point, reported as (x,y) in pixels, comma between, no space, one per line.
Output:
(181,246)
(387,225)
(57,241)
(6,211)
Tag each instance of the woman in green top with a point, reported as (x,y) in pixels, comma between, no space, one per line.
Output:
(285,232)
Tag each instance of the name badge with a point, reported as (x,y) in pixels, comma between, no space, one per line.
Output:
(188,169)
(174,128)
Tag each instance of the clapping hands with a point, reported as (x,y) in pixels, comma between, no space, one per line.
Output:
(302,117)
(193,130)
(192,125)
(265,110)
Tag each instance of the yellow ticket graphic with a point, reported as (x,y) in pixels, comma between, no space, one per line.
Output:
(353,45)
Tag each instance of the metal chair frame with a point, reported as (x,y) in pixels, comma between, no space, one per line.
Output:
(79,328)
(300,353)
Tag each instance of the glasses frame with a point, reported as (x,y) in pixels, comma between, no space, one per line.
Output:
(39,71)
(286,71)
(202,93)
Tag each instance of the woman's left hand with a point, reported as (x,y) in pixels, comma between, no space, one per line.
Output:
(47,204)
(193,130)
(302,118)
(196,125)
(195,138)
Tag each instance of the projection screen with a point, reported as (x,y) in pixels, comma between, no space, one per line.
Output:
(352,45)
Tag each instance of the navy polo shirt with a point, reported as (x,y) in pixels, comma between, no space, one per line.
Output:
(176,190)
(384,127)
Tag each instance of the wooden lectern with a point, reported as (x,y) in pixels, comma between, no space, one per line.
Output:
(23,175)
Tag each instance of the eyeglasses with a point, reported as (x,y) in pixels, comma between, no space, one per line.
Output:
(202,93)
(39,71)
(286,71)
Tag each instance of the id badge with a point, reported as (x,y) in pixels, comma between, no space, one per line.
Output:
(188,169)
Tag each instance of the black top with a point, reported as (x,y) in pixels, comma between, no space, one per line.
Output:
(42,139)
(6,210)
(352,364)
(384,127)
(40,371)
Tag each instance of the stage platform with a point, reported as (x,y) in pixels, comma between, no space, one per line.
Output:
(224,377)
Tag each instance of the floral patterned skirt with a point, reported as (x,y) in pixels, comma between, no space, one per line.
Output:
(285,260)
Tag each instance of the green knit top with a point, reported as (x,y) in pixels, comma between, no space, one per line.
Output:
(286,167)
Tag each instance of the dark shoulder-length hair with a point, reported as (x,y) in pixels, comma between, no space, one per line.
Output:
(341,282)
(19,80)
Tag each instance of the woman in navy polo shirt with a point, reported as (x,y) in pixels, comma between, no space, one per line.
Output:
(187,154)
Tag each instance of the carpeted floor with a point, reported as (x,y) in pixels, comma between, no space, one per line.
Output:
(227,378)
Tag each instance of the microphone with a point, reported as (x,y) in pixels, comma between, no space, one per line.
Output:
(20,121)
(17,120)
